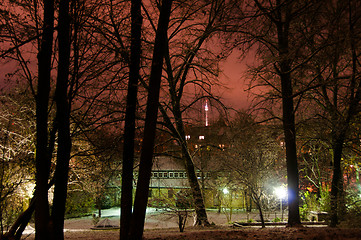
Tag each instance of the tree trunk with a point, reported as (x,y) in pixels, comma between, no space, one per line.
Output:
(260,212)
(179,133)
(146,158)
(43,158)
(202,219)
(288,125)
(16,230)
(129,127)
(63,120)
(337,184)
(341,127)
(18,227)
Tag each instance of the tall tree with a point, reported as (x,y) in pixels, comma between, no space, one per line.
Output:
(84,71)
(146,158)
(130,114)
(337,68)
(253,157)
(277,38)
(63,122)
(279,16)
(43,157)
(190,62)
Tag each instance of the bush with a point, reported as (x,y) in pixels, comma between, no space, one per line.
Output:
(106,202)
(310,202)
(352,218)
(277,219)
(11,208)
(78,203)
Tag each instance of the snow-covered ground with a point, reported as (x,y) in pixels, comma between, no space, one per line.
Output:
(115,212)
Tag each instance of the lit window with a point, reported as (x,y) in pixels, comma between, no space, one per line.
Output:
(188,137)
(201,137)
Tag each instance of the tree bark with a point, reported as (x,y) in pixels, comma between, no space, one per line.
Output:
(43,158)
(63,120)
(288,115)
(16,230)
(202,219)
(337,184)
(341,125)
(146,158)
(129,126)
(179,133)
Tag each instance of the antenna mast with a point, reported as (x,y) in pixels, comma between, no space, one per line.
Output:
(206,110)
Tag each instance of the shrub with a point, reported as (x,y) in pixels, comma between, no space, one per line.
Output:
(78,204)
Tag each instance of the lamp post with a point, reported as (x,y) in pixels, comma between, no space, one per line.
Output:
(281,193)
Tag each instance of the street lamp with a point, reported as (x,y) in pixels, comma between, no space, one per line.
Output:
(281,193)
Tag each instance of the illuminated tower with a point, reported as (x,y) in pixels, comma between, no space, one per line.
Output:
(206,110)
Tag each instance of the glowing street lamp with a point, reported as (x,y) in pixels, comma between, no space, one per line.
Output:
(281,193)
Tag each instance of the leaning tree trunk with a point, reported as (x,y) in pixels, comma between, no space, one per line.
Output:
(129,126)
(179,133)
(198,200)
(63,120)
(146,158)
(202,219)
(259,206)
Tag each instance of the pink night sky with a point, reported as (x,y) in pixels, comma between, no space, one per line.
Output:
(233,77)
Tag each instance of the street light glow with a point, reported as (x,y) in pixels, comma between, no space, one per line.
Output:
(281,192)
(225,191)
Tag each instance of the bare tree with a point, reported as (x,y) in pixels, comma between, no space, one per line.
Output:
(129,128)
(146,158)
(81,72)
(255,157)
(43,156)
(276,35)
(338,75)
(63,121)
(190,62)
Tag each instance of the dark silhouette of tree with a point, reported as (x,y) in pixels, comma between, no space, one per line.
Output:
(279,16)
(43,157)
(276,35)
(86,67)
(190,63)
(130,119)
(146,158)
(337,70)
(63,122)
(254,158)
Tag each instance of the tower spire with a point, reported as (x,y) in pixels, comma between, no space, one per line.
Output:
(206,110)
